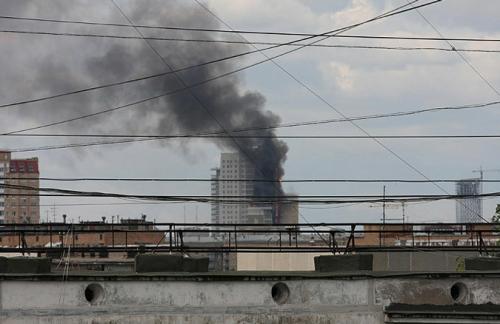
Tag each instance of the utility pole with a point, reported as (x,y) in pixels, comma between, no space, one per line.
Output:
(383,207)
(403,204)
(54,210)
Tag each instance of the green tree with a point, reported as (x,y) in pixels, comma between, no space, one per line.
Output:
(496,217)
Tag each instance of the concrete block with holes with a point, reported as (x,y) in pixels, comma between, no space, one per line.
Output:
(340,263)
(27,265)
(195,264)
(3,264)
(169,263)
(482,263)
(158,263)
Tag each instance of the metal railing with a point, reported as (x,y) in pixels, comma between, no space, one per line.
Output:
(336,238)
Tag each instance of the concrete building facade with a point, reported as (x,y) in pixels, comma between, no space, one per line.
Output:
(469,210)
(252,297)
(233,166)
(289,212)
(129,232)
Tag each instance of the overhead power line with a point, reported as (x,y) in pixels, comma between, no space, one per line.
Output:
(135,140)
(174,71)
(250,32)
(235,42)
(312,199)
(310,180)
(282,125)
(197,136)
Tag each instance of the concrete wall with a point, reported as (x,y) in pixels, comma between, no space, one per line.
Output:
(231,298)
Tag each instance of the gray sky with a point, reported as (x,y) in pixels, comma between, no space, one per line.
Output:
(355,81)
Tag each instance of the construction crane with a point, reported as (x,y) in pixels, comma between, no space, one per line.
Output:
(481,171)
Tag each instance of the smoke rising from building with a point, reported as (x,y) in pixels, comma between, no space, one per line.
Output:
(226,104)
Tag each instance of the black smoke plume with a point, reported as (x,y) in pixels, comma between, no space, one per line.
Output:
(226,105)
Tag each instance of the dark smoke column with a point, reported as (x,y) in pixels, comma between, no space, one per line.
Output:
(221,105)
(225,104)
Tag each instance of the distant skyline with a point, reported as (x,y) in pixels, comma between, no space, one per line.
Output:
(354,81)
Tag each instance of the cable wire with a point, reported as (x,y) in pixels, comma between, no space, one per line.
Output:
(233,42)
(251,32)
(323,199)
(281,125)
(197,136)
(309,180)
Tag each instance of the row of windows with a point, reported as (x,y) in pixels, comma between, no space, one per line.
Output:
(61,238)
(22,213)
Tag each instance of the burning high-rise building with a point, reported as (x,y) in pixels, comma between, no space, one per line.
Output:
(229,180)
(233,166)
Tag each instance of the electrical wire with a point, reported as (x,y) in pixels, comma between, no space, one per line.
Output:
(310,180)
(251,32)
(196,136)
(233,42)
(308,199)
(282,125)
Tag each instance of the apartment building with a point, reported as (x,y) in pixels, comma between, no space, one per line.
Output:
(19,203)
(4,170)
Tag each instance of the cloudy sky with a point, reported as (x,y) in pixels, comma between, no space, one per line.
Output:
(353,81)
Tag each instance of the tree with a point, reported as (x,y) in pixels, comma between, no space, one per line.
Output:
(496,217)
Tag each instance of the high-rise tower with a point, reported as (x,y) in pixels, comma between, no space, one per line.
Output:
(469,210)
(233,166)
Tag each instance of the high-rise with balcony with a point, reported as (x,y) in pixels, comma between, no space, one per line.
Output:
(19,184)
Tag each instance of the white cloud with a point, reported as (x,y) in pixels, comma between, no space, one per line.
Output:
(343,75)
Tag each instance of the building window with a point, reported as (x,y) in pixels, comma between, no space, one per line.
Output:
(100,236)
